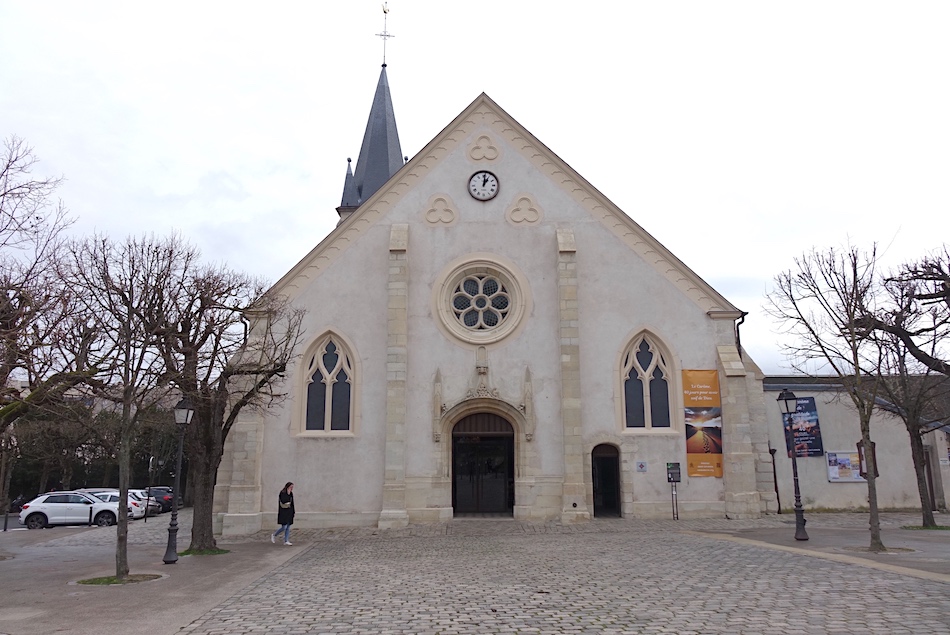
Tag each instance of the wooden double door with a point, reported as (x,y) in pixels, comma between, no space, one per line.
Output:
(483,466)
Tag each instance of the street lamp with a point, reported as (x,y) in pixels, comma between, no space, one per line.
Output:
(184,411)
(788,404)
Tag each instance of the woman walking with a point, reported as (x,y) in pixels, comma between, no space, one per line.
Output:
(285,513)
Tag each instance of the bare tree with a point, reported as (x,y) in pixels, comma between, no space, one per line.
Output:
(124,284)
(914,390)
(819,304)
(59,435)
(34,306)
(226,348)
(926,291)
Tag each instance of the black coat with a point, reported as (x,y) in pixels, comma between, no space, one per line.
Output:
(285,515)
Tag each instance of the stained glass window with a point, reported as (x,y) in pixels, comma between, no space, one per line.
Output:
(329,391)
(646,386)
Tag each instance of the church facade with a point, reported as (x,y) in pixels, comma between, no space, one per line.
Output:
(487,334)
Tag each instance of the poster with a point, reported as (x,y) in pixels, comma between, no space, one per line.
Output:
(843,467)
(805,430)
(703,423)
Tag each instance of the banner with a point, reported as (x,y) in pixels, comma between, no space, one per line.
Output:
(703,423)
(805,431)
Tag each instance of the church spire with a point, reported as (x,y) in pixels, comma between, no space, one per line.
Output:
(351,196)
(381,155)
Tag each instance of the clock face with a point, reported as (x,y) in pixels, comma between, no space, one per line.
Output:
(483,185)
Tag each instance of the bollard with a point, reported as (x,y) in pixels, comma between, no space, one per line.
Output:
(90,515)
(6,515)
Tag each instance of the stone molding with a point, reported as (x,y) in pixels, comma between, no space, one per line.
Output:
(483,148)
(524,212)
(441,211)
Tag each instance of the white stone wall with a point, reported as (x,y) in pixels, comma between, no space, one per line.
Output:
(840,431)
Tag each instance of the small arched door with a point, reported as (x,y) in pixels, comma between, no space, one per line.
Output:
(483,465)
(605,468)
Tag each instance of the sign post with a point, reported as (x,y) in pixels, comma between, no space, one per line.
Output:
(673,477)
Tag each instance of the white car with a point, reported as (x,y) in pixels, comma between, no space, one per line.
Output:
(154,507)
(68,508)
(136,506)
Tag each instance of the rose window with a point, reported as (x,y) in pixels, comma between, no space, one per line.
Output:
(480,302)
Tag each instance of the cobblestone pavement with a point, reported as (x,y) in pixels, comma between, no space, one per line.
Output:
(606,576)
(623,576)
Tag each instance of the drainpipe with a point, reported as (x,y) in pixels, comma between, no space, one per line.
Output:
(738,339)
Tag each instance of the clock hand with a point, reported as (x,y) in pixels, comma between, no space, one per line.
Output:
(484,180)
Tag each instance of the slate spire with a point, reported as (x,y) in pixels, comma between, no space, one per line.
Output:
(351,196)
(380,156)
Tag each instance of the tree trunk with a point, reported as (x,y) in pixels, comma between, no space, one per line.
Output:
(877,545)
(67,471)
(44,478)
(917,453)
(122,524)
(7,461)
(203,475)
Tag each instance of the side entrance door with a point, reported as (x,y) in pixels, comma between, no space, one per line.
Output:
(605,466)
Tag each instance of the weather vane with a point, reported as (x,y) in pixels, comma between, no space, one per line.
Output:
(385,34)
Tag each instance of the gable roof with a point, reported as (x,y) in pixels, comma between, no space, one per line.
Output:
(485,112)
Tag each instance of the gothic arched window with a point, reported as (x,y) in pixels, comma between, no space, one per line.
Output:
(329,387)
(646,386)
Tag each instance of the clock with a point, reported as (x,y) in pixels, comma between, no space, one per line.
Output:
(483,185)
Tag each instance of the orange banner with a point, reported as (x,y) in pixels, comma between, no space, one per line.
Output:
(703,408)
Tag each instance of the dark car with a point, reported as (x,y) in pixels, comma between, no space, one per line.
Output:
(164,495)
(17,503)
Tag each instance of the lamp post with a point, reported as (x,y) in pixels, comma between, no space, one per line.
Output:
(183,414)
(788,404)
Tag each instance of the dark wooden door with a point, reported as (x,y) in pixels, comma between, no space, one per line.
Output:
(482,469)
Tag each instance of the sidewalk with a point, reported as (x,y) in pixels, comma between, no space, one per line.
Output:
(38,568)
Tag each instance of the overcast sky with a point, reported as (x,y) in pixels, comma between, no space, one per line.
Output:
(739,134)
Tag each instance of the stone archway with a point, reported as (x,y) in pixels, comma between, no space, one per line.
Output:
(529,486)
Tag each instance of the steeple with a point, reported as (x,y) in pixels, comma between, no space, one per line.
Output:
(380,156)
(351,196)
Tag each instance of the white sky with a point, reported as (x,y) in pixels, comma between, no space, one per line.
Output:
(739,134)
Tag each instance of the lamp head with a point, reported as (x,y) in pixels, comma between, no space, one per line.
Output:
(787,402)
(184,411)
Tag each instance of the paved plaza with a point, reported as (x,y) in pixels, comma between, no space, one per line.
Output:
(502,576)
(609,577)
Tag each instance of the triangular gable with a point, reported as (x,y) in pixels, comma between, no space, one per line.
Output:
(483,112)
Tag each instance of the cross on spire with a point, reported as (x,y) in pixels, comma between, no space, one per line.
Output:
(385,34)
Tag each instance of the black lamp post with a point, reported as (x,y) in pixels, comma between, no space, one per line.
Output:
(788,404)
(183,414)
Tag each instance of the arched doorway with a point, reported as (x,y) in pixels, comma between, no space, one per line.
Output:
(605,468)
(483,466)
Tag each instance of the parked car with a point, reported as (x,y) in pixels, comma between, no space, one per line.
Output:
(17,504)
(135,506)
(154,507)
(164,495)
(67,508)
